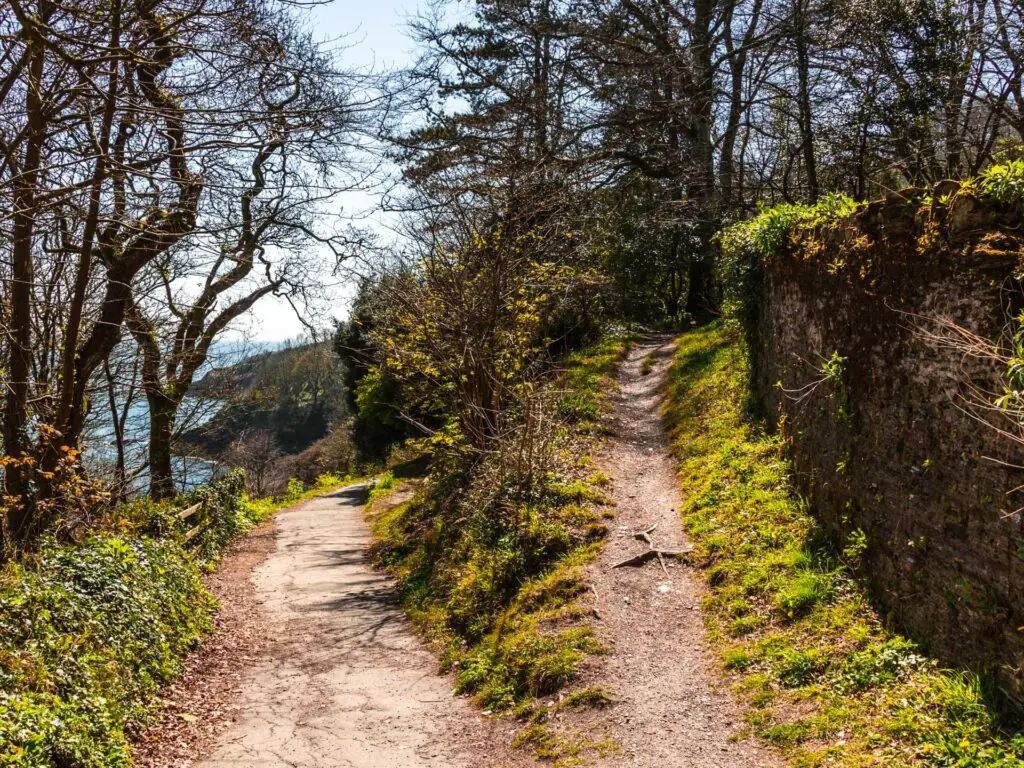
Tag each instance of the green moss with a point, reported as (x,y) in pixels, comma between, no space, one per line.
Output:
(825,681)
(497,583)
(502,604)
(587,376)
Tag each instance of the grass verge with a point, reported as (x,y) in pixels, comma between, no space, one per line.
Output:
(824,680)
(260,509)
(497,586)
(90,632)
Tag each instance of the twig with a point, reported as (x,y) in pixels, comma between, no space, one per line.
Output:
(661,562)
(646,535)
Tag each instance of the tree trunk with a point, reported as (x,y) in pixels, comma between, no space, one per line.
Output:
(700,299)
(116,420)
(803,68)
(21,522)
(68,388)
(701,302)
(162,411)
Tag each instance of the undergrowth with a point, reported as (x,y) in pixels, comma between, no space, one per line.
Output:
(496,585)
(260,509)
(824,680)
(766,233)
(89,632)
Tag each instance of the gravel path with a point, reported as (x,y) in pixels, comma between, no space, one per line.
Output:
(669,712)
(344,682)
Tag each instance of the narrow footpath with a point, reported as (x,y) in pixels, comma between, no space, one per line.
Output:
(344,682)
(316,666)
(672,709)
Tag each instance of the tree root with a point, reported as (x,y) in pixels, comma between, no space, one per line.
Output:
(652,552)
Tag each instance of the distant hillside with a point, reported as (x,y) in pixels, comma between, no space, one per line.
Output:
(228,380)
(295,394)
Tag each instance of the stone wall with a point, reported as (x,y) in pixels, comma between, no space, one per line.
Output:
(889,414)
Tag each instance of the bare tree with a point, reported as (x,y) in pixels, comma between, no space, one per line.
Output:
(257,237)
(132,137)
(256,453)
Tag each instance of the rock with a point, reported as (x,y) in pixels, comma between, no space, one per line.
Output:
(945,188)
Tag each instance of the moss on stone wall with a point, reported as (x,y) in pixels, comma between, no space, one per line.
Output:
(909,441)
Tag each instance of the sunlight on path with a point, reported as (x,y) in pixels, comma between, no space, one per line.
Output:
(345,682)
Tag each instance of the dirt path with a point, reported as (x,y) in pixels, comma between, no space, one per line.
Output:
(344,682)
(669,712)
(194,709)
(319,668)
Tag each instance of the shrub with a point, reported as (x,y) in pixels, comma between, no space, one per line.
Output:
(87,634)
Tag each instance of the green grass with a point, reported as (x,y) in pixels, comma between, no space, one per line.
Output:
(261,509)
(90,632)
(498,586)
(564,750)
(586,378)
(384,486)
(647,365)
(823,679)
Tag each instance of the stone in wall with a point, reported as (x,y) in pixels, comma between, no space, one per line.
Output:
(861,356)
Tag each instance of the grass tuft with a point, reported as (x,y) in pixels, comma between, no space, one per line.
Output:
(823,678)
(498,589)
(648,364)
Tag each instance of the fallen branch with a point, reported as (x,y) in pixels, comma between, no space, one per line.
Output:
(646,535)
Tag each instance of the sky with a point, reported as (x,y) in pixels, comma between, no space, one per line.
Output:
(373,33)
